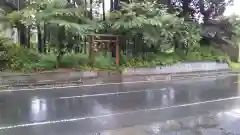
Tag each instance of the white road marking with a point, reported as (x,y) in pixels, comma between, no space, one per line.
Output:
(104,84)
(115,114)
(237,82)
(113,93)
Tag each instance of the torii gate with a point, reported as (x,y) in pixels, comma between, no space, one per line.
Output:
(105,38)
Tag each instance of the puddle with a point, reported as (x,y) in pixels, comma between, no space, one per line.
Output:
(221,123)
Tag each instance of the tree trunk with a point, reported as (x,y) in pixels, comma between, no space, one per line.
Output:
(28,37)
(186,9)
(103,8)
(134,46)
(205,12)
(91,10)
(116,4)
(111,5)
(45,37)
(84,39)
(39,39)
(85,45)
(49,40)
(90,53)
(169,6)
(61,38)
(22,35)
(85,8)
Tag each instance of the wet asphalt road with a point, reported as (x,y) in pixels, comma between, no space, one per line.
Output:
(94,109)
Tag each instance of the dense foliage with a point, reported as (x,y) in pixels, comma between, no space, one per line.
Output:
(156,26)
(152,32)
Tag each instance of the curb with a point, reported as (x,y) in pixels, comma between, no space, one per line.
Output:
(117,79)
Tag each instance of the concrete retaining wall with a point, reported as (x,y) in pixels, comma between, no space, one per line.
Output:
(178,68)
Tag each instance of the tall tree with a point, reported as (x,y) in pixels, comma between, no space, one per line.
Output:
(91,10)
(116,4)
(103,9)
(111,5)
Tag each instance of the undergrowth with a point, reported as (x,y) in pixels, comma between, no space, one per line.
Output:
(27,60)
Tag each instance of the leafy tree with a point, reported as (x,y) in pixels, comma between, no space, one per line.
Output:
(68,23)
(235,25)
(155,26)
(197,9)
(235,21)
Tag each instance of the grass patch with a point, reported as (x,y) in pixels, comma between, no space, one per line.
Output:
(4,86)
(234,65)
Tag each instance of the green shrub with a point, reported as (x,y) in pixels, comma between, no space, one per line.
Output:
(21,58)
(47,62)
(203,53)
(69,61)
(234,65)
(73,60)
(162,59)
(104,62)
(123,58)
(166,59)
(5,45)
(82,59)
(152,60)
(16,57)
(3,59)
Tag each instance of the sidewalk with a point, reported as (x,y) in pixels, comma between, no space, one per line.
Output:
(185,70)
(96,77)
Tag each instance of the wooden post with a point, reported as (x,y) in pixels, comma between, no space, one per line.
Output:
(117,52)
(91,50)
